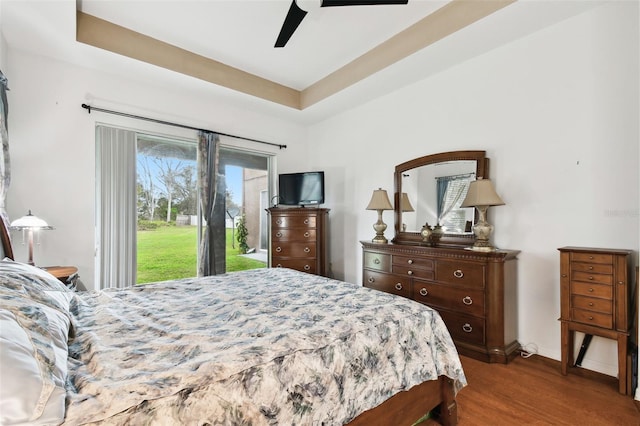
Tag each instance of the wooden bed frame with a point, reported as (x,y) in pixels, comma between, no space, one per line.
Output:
(5,239)
(407,407)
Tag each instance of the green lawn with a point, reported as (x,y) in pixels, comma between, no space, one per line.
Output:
(169,252)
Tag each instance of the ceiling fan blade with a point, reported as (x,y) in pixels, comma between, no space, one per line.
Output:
(331,3)
(291,22)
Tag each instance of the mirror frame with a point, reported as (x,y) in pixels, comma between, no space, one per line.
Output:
(414,238)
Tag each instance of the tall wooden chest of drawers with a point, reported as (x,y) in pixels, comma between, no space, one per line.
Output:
(299,239)
(474,292)
(595,299)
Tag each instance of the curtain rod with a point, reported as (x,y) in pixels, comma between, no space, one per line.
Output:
(168,123)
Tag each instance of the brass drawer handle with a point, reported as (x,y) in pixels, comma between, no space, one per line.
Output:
(279,234)
(278,266)
(306,235)
(307,267)
(376,261)
(590,318)
(278,221)
(409,272)
(590,303)
(590,290)
(398,286)
(467,328)
(591,257)
(458,273)
(306,221)
(423,291)
(590,268)
(371,280)
(278,249)
(307,250)
(410,261)
(591,278)
(467,300)
(564,275)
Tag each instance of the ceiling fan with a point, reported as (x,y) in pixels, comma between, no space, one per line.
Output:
(296,15)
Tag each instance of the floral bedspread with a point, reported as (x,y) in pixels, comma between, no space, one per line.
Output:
(261,347)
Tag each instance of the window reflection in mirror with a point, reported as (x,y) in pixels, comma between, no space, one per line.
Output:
(436,191)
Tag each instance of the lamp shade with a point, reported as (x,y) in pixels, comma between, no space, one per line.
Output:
(405,204)
(29,222)
(379,200)
(481,193)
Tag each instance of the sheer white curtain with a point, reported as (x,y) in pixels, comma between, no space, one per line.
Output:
(116,212)
(5,167)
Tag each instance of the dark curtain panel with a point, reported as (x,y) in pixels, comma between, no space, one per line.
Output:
(211,260)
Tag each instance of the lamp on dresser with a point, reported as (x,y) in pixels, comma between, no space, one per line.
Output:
(379,201)
(405,206)
(30,224)
(481,195)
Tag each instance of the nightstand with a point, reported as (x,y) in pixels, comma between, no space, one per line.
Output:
(66,274)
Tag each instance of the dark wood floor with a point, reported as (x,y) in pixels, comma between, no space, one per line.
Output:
(531,391)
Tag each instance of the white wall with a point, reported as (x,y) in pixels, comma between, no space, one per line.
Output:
(557,113)
(52,144)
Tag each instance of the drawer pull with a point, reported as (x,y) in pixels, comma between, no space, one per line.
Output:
(279,234)
(398,286)
(467,328)
(410,261)
(564,275)
(591,257)
(279,221)
(306,221)
(371,280)
(376,261)
(590,290)
(307,250)
(591,278)
(590,318)
(458,273)
(278,266)
(621,282)
(590,303)
(307,267)
(409,272)
(278,249)
(306,235)
(423,291)
(590,268)
(467,300)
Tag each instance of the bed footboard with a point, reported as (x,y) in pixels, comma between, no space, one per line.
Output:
(405,408)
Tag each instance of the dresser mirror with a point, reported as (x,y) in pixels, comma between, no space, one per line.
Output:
(430,190)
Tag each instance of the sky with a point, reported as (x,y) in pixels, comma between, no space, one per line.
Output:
(234,183)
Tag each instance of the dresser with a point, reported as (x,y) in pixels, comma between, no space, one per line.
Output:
(595,299)
(299,239)
(474,292)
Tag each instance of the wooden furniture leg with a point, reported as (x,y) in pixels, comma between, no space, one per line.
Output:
(566,348)
(622,363)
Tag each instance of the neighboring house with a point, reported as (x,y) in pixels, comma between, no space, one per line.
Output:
(254,201)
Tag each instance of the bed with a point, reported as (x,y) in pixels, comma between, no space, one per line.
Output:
(263,347)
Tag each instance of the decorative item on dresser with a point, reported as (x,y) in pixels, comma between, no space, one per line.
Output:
(482,195)
(299,239)
(474,291)
(596,299)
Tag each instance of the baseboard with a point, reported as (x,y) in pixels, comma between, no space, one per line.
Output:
(581,372)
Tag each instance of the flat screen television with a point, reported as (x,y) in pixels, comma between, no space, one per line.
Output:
(301,189)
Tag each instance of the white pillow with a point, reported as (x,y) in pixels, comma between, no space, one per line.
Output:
(32,390)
